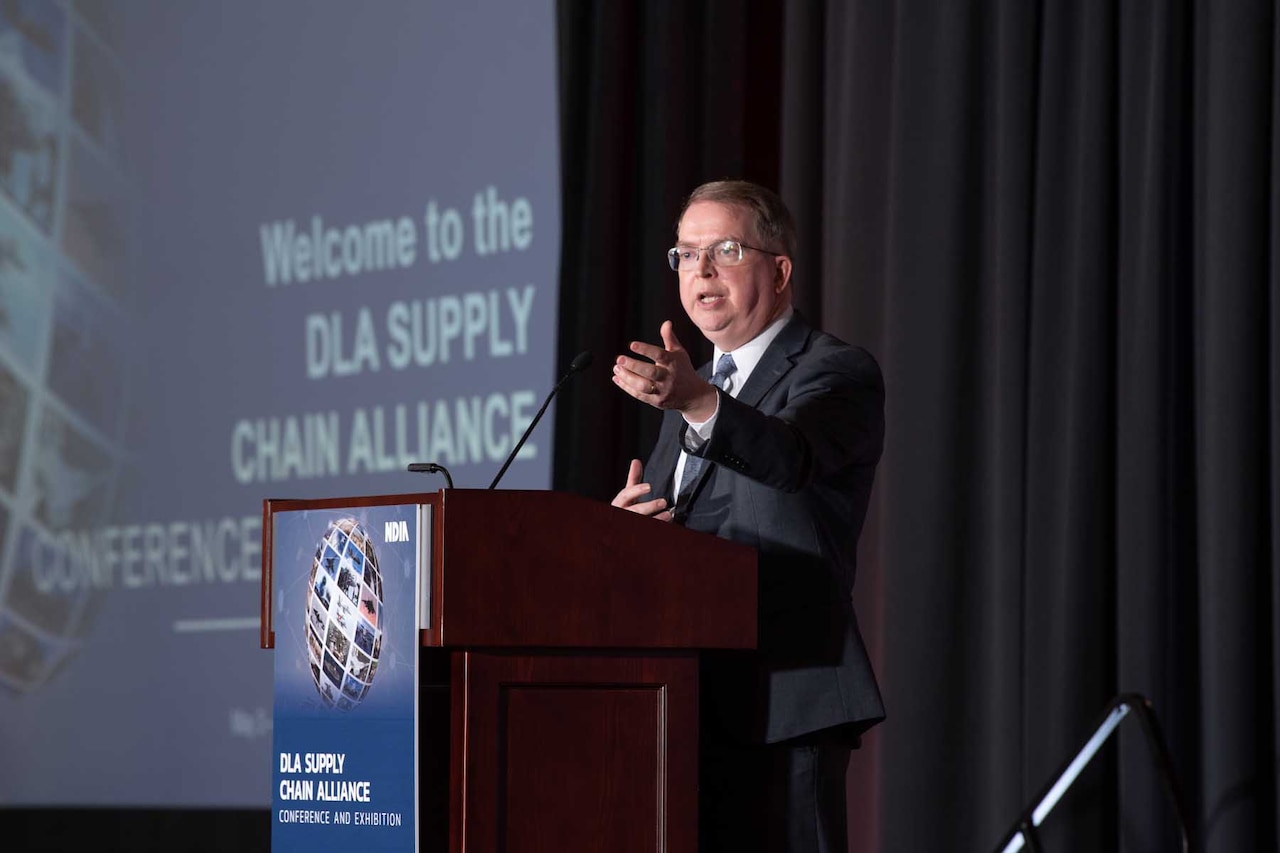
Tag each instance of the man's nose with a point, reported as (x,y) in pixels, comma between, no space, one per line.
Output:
(705,267)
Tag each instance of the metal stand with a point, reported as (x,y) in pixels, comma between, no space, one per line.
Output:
(1024,835)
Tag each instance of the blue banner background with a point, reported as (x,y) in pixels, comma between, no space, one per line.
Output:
(379,734)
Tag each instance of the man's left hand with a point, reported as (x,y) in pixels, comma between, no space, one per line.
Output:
(668,380)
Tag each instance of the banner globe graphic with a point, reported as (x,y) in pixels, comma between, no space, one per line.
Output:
(344,615)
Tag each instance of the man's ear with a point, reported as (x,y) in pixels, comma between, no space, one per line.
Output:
(782,274)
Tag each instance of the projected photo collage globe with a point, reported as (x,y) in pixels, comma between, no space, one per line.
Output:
(66,325)
(344,614)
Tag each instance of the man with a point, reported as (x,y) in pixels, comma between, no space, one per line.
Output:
(775,446)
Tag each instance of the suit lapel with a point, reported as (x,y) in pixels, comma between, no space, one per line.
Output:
(777,361)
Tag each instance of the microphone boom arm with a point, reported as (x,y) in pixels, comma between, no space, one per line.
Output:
(580,362)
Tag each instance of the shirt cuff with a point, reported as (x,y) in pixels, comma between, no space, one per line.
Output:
(699,434)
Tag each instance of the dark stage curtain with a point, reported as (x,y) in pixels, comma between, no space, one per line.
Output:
(1054,224)
(655,97)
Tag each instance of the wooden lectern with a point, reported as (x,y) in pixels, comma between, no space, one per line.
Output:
(572,631)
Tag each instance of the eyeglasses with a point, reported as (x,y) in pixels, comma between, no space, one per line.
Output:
(726,253)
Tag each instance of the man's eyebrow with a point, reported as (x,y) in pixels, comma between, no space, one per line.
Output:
(714,241)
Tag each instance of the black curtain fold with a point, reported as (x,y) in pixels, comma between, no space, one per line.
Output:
(1068,644)
(1156,622)
(1233,139)
(655,98)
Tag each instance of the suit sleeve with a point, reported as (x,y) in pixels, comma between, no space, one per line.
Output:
(832,419)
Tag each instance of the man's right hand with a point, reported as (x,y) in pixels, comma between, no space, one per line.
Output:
(632,495)
(667,380)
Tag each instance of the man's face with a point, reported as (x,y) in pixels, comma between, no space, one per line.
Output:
(731,305)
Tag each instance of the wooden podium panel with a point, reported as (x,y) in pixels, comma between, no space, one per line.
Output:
(545,569)
(574,753)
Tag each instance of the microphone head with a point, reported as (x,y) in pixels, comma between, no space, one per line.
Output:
(581,361)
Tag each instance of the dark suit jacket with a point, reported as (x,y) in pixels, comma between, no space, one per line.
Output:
(795,455)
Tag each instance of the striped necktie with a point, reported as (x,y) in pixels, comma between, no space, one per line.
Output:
(725,368)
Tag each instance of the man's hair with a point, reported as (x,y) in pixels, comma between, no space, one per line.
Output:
(774,227)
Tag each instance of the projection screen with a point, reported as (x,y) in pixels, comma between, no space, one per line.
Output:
(247,250)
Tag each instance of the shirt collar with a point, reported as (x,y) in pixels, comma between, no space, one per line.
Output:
(747,356)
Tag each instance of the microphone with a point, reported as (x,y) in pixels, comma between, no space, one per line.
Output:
(580,362)
(431,468)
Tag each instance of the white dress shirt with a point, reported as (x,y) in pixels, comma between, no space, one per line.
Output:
(745,357)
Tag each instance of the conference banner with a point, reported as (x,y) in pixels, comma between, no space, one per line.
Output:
(347,591)
(247,250)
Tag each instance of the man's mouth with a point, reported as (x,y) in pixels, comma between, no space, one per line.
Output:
(710,298)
